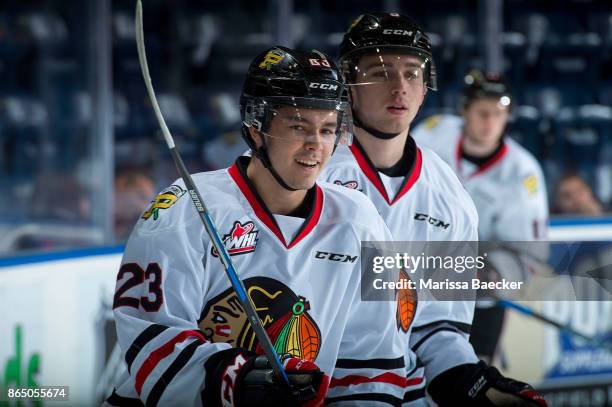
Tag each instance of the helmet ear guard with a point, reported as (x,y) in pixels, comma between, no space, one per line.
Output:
(254,113)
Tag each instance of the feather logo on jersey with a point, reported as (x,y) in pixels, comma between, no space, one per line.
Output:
(406,304)
(296,333)
(163,201)
(283,313)
(242,239)
(348,184)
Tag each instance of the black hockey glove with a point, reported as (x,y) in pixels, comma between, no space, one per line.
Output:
(481,386)
(237,377)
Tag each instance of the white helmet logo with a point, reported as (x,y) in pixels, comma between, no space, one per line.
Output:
(397,31)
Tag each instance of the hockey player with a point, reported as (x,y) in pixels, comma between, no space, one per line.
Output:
(296,246)
(504,180)
(387,61)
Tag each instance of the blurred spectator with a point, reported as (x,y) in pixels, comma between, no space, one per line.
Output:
(134,190)
(573,196)
(59,197)
(58,216)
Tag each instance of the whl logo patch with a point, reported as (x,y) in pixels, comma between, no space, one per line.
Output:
(242,239)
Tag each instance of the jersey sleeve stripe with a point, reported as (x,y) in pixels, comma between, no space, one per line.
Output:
(145,337)
(419,364)
(117,400)
(160,353)
(180,361)
(413,395)
(463,327)
(384,364)
(379,397)
(390,378)
(430,334)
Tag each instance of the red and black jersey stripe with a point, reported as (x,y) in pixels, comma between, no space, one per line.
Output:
(145,337)
(179,362)
(440,326)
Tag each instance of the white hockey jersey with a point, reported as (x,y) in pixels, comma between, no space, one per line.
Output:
(509,190)
(174,306)
(429,204)
(509,193)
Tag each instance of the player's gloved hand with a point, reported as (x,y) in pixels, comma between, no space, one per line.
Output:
(237,377)
(481,385)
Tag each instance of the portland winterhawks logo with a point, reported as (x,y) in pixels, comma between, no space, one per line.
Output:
(242,239)
(284,315)
(163,201)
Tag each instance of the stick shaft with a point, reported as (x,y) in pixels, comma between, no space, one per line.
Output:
(237,285)
(540,317)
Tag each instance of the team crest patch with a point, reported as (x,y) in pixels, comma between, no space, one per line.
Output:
(531,184)
(163,201)
(348,184)
(242,239)
(272,58)
(432,121)
(284,316)
(406,305)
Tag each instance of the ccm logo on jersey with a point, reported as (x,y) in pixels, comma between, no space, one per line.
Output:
(431,220)
(242,239)
(324,86)
(342,258)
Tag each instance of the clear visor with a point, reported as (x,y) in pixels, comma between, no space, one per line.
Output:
(309,120)
(389,69)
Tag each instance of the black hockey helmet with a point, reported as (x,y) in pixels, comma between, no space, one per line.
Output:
(386,32)
(284,77)
(281,77)
(478,85)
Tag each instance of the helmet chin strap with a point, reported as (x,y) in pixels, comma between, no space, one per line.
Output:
(376,133)
(262,154)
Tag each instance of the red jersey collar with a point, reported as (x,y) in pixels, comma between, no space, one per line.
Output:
(238,173)
(484,166)
(372,174)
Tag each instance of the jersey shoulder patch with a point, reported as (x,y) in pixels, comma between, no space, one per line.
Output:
(432,121)
(167,198)
(530,183)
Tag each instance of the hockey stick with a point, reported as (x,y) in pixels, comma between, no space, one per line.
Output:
(596,341)
(236,283)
